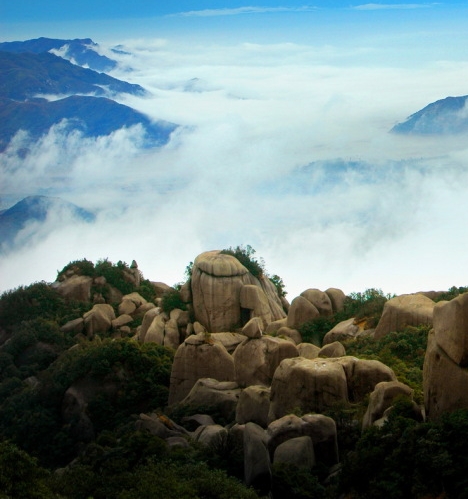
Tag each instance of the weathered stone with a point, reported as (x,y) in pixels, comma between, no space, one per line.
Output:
(127,307)
(308,351)
(301,311)
(254,328)
(98,319)
(200,360)
(289,333)
(253,298)
(171,334)
(253,405)
(451,328)
(142,309)
(196,420)
(337,299)
(198,328)
(363,375)
(219,396)
(320,300)
(121,320)
(76,287)
(136,298)
(76,326)
(382,398)
(256,360)
(230,341)
(297,451)
(212,435)
(444,382)
(342,331)
(146,322)
(403,311)
(257,467)
(155,332)
(186,292)
(307,385)
(159,425)
(275,325)
(335,349)
(217,280)
(321,429)
(181,316)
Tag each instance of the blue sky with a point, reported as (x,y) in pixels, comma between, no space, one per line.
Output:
(109,20)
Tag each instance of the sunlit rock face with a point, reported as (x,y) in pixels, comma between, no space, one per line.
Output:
(226,295)
(445,376)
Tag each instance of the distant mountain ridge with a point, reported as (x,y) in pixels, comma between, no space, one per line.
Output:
(36,209)
(81,51)
(443,117)
(25,76)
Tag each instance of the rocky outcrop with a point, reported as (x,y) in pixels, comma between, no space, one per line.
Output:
(337,298)
(198,357)
(257,467)
(318,384)
(220,301)
(220,397)
(445,374)
(403,311)
(342,331)
(98,319)
(335,349)
(451,328)
(76,287)
(301,310)
(382,398)
(320,300)
(297,451)
(321,430)
(255,360)
(308,350)
(253,405)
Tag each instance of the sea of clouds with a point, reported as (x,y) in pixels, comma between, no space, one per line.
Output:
(285,147)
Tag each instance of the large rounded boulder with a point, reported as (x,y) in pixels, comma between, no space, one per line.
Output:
(198,357)
(221,302)
(403,311)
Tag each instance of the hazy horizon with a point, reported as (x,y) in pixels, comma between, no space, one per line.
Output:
(284,144)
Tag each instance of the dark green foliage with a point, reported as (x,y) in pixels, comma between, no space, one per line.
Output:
(79,267)
(367,305)
(114,274)
(402,351)
(171,299)
(33,346)
(452,293)
(38,300)
(314,331)
(245,255)
(279,284)
(292,482)
(32,417)
(20,475)
(410,460)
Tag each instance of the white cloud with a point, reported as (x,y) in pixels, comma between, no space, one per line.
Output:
(393,6)
(243,10)
(371,210)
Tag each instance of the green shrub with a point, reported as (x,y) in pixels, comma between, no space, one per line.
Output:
(172,299)
(245,255)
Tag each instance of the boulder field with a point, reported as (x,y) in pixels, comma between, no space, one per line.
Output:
(239,355)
